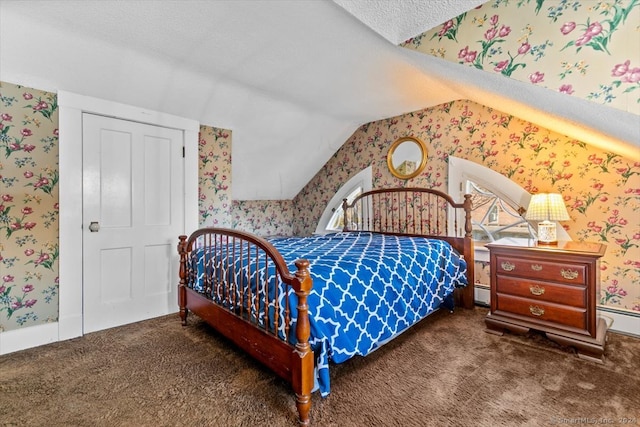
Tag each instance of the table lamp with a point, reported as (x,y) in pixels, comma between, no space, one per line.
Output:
(547,208)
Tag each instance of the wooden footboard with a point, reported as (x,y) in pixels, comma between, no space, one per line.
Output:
(247,304)
(417,212)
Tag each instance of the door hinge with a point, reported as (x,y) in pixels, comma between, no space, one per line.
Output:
(183,151)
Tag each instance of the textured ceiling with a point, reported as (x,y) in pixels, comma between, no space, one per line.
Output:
(399,20)
(292,79)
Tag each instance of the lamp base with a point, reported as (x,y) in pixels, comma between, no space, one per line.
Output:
(542,243)
(547,233)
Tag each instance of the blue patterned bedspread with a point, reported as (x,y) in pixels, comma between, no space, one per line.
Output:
(368,288)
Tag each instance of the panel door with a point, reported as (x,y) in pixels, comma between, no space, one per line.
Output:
(133,211)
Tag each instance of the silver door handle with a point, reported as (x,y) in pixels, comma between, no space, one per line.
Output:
(94,227)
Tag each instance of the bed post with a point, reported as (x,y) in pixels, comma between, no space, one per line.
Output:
(345,206)
(302,357)
(182,297)
(468,294)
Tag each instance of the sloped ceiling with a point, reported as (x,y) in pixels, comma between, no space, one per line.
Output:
(291,79)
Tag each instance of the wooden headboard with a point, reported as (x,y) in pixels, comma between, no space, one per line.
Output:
(416,212)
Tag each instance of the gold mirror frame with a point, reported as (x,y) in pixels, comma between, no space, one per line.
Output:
(399,172)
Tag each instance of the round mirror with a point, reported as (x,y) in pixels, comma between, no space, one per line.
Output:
(407,157)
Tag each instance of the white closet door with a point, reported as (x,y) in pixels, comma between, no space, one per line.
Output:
(133,211)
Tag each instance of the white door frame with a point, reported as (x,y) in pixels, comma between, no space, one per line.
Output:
(70,164)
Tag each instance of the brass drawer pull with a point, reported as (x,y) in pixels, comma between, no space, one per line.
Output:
(536,290)
(536,267)
(536,311)
(569,274)
(507,266)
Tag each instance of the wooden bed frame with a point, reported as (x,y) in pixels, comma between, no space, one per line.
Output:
(400,211)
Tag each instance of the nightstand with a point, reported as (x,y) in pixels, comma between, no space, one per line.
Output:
(550,288)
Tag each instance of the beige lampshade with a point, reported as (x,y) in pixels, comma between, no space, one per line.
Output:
(547,207)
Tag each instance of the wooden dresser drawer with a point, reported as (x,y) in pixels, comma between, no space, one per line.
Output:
(543,311)
(574,274)
(537,290)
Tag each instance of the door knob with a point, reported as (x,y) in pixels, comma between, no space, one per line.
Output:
(94,226)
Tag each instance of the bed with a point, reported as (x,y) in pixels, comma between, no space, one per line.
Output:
(297,304)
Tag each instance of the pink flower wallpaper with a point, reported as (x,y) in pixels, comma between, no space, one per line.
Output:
(601,189)
(584,48)
(266,218)
(216,209)
(214,177)
(28,207)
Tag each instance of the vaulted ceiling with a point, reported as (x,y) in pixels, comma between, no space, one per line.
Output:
(292,79)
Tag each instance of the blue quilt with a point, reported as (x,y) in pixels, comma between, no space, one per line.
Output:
(367,289)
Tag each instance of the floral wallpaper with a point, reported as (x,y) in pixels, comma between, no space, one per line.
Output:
(28,207)
(266,218)
(601,189)
(214,177)
(584,48)
(216,209)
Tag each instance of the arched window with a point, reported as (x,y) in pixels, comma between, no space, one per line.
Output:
(336,223)
(498,203)
(493,218)
(332,217)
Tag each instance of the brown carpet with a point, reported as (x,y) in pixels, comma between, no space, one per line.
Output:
(446,371)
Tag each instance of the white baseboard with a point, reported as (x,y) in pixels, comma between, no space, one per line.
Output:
(33,336)
(481,294)
(623,321)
